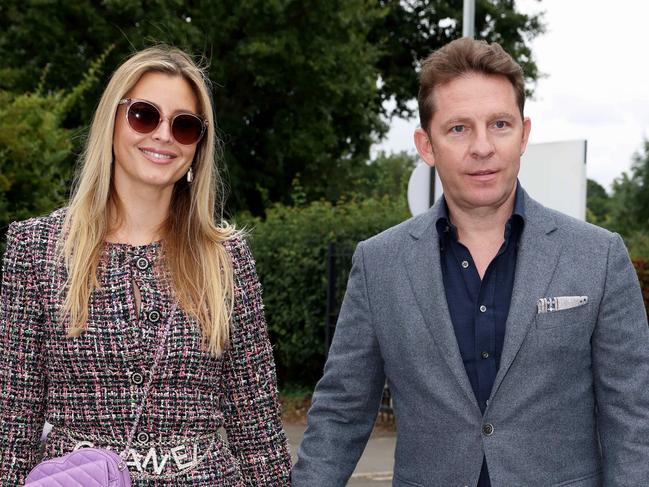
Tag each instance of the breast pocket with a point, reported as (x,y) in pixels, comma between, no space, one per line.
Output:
(564,318)
(399,482)
(590,480)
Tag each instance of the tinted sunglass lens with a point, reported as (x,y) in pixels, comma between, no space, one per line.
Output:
(187,129)
(143,118)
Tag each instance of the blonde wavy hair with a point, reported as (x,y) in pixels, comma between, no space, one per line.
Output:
(193,235)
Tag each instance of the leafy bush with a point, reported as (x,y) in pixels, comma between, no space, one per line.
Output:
(642,268)
(35,153)
(638,245)
(290,247)
(36,150)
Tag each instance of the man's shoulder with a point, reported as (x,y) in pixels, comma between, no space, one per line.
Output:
(570,224)
(573,232)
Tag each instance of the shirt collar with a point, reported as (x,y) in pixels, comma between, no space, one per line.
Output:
(517,220)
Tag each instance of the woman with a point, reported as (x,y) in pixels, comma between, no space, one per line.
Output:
(88,290)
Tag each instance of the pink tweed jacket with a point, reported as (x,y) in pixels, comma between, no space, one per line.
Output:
(89,387)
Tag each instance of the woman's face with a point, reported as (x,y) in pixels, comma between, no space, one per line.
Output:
(153,161)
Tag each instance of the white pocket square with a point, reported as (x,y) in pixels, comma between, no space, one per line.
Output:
(549,305)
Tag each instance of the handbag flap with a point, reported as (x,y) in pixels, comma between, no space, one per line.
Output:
(55,473)
(87,467)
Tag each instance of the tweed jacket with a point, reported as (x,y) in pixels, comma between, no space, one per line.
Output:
(89,387)
(570,401)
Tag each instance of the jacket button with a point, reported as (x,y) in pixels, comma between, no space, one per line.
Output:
(485,354)
(142,263)
(487,429)
(143,437)
(136,378)
(154,316)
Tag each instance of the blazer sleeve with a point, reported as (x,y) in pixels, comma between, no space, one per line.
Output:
(251,407)
(347,398)
(22,375)
(620,348)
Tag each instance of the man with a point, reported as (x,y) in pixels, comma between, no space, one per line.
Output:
(513,338)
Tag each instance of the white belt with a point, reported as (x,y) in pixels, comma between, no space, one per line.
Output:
(153,460)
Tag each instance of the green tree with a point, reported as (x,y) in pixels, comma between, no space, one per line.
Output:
(36,159)
(598,203)
(299,86)
(386,175)
(412,29)
(638,245)
(630,197)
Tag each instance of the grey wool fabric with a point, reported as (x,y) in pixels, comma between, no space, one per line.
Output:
(570,403)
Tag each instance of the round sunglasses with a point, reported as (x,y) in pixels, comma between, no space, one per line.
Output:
(144,117)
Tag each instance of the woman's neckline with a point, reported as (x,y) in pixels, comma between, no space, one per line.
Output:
(129,246)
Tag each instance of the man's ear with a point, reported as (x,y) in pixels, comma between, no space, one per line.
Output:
(424,146)
(527,128)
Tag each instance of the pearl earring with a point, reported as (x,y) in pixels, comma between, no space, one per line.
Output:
(190,175)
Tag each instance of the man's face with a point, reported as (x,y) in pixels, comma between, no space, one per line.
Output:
(476,140)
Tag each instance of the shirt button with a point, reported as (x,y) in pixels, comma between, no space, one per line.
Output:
(465,264)
(488,429)
(136,378)
(143,437)
(485,354)
(154,316)
(483,308)
(142,263)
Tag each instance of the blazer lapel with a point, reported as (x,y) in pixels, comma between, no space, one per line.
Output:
(422,264)
(538,255)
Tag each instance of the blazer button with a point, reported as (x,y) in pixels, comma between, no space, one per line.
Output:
(488,429)
(142,263)
(143,437)
(154,316)
(136,378)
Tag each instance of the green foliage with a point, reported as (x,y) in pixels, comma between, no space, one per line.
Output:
(299,85)
(290,247)
(410,30)
(597,203)
(638,245)
(642,268)
(34,152)
(36,159)
(387,174)
(630,200)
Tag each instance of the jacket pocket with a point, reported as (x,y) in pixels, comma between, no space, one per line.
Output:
(399,482)
(590,480)
(563,318)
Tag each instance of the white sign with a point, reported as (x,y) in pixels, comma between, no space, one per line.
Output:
(553,173)
(419,197)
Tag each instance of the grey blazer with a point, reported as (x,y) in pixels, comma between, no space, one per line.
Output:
(570,403)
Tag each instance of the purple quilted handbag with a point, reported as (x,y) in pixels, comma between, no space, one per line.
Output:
(87,467)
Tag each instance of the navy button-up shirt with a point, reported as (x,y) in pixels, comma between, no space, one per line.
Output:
(479,308)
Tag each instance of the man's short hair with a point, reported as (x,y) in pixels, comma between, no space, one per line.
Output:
(458,58)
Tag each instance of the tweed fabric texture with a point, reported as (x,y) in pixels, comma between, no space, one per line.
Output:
(92,385)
